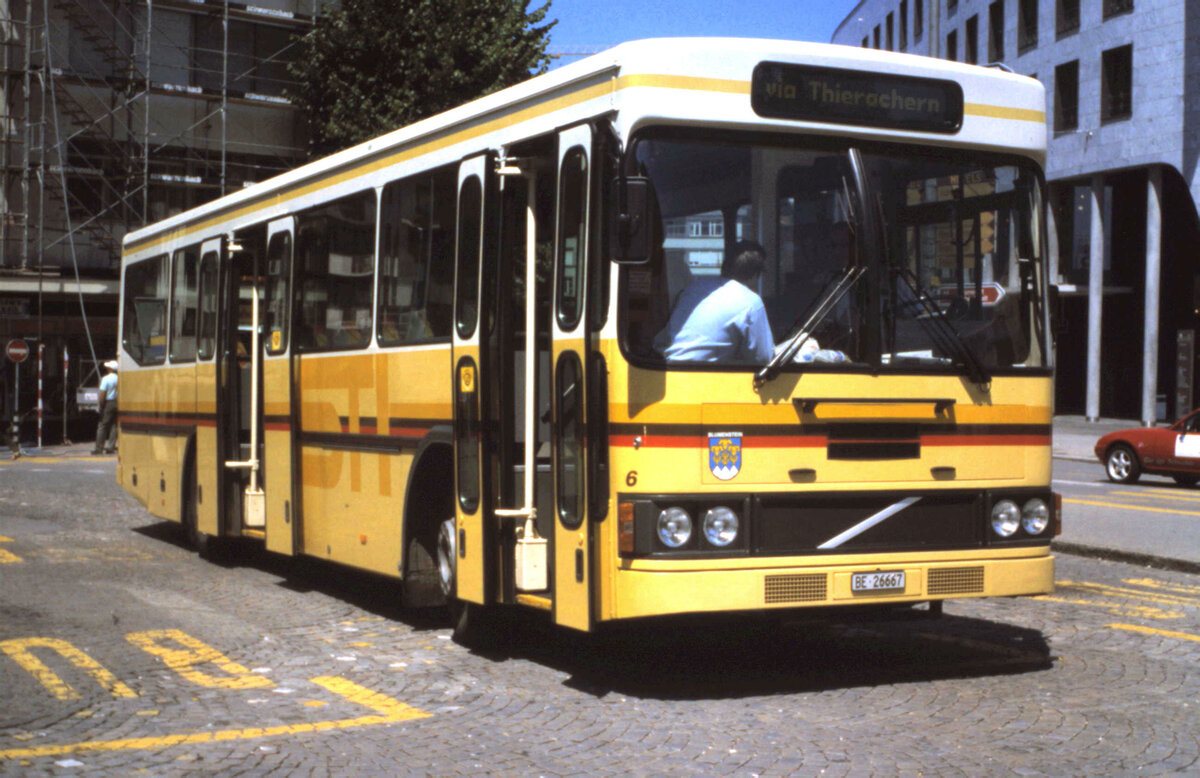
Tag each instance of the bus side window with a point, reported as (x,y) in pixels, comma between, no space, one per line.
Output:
(416,279)
(279,269)
(206,340)
(184,302)
(335,274)
(144,331)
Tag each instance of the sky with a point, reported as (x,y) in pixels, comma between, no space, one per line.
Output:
(589,26)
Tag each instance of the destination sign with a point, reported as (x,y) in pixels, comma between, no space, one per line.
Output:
(783,91)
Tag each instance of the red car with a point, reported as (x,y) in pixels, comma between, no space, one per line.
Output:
(1173,451)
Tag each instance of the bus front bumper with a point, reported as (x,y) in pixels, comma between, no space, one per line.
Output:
(641,590)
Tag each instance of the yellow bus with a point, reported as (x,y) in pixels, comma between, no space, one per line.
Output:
(491,354)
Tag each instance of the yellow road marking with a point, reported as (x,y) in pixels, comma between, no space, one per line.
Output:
(1132,507)
(1161,632)
(1161,599)
(183,661)
(386,709)
(1156,584)
(1144,611)
(1161,494)
(19,650)
(7,557)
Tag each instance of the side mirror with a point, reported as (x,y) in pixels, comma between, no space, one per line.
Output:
(629,221)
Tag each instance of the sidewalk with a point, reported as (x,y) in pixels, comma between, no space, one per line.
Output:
(1074,437)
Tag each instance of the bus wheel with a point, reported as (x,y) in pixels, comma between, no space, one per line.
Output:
(468,621)
(446,548)
(192,536)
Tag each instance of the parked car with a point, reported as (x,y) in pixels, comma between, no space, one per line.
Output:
(1173,451)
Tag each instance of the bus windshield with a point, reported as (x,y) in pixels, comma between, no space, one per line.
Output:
(889,258)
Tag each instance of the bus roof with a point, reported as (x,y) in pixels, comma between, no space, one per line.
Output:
(641,82)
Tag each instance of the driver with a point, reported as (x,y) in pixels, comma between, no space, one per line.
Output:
(721,319)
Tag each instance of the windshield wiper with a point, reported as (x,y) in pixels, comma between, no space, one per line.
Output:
(941,331)
(834,291)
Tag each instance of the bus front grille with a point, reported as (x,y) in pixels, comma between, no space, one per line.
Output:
(805,587)
(956,580)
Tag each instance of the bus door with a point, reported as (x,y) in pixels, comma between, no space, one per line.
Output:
(572,552)
(279,407)
(209,459)
(239,409)
(517,373)
(473,549)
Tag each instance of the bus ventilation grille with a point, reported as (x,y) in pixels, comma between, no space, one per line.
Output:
(956,580)
(810,587)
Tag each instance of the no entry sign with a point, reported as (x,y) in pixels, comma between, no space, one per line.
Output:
(17,350)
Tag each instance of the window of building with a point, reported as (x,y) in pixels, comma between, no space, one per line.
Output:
(335,258)
(1116,87)
(952,45)
(1066,97)
(918,19)
(903,25)
(971,41)
(877,34)
(416,266)
(866,44)
(1027,24)
(1116,7)
(890,24)
(996,31)
(1067,17)
(951,7)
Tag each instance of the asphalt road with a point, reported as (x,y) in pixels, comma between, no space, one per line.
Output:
(122,652)
(1155,519)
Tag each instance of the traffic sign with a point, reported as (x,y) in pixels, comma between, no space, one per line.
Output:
(17,350)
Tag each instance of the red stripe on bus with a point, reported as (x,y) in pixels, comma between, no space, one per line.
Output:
(811,441)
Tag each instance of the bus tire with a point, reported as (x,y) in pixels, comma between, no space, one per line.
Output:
(470,623)
(189,507)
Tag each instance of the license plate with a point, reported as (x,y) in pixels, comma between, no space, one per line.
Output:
(882,581)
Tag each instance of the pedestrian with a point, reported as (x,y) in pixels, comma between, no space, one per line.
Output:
(106,430)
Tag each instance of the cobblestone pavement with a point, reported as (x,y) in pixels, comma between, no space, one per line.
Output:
(121,652)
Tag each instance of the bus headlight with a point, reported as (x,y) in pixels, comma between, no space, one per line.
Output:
(674,527)
(1006,518)
(720,526)
(1035,516)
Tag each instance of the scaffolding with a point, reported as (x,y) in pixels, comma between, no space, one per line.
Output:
(115,114)
(118,113)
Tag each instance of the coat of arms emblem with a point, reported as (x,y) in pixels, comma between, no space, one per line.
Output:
(724,454)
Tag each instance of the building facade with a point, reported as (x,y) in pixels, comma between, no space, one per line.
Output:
(115,114)
(1122,82)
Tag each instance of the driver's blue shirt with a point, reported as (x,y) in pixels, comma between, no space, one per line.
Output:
(717,320)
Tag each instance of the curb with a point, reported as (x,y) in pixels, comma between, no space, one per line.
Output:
(1127,557)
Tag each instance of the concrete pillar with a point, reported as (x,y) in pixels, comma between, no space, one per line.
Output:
(1095,295)
(1153,274)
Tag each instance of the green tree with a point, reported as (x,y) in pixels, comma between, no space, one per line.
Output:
(370,66)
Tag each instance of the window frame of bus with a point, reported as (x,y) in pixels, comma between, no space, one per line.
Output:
(301,277)
(208,283)
(132,271)
(178,258)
